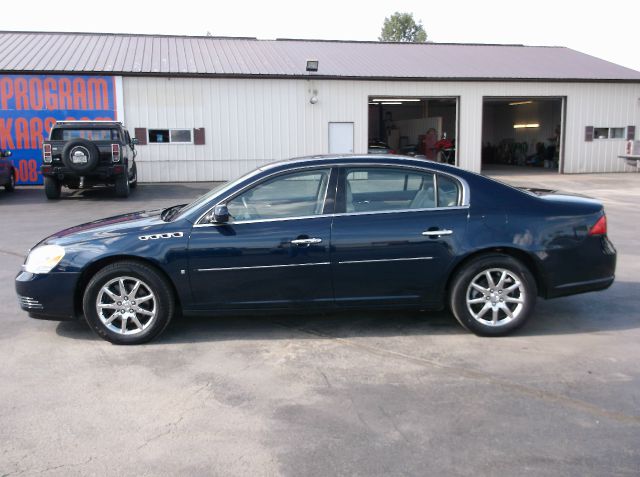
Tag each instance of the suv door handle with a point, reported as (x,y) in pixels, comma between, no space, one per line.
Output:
(437,233)
(307,241)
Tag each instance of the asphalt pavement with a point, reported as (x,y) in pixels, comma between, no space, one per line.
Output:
(393,393)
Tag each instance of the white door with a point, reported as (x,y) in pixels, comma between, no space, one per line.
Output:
(340,138)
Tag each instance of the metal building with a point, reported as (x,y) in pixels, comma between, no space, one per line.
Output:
(208,109)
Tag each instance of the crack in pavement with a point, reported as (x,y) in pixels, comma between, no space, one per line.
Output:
(49,469)
(505,384)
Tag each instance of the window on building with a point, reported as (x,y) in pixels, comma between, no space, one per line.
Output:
(608,133)
(180,135)
(170,136)
(616,133)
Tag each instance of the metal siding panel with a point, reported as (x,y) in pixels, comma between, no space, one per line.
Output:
(250,122)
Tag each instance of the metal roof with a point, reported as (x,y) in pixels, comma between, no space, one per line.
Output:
(157,55)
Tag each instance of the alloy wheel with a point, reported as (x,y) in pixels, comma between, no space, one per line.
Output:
(495,297)
(126,305)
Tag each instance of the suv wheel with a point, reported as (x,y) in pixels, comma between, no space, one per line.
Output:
(52,187)
(493,295)
(122,186)
(10,186)
(128,303)
(133,182)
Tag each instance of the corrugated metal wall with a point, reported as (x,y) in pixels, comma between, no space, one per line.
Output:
(249,122)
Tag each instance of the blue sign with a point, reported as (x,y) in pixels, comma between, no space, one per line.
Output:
(31,104)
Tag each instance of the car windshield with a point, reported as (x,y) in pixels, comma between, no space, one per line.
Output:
(203,199)
(93,134)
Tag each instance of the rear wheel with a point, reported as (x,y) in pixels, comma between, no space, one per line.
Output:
(122,186)
(493,295)
(10,186)
(128,303)
(52,187)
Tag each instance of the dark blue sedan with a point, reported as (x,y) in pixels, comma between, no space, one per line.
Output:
(326,233)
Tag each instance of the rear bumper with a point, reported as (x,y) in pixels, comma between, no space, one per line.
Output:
(581,287)
(589,267)
(101,173)
(47,296)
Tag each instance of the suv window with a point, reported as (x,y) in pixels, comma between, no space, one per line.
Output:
(65,134)
(299,194)
(389,188)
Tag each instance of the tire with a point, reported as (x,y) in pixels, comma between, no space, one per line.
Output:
(143,320)
(133,182)
(82,147)
(11,185)
(52,187)
(122,186)
(493,308)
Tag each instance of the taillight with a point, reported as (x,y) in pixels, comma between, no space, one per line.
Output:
(115,152)
(46,153)
(600,227)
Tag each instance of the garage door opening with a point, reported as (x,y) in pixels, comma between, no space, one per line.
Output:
(522,133)
(422,127)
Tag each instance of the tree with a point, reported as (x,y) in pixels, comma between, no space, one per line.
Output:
(402,27)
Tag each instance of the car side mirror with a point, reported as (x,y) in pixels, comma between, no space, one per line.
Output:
(220,214)
(134,141)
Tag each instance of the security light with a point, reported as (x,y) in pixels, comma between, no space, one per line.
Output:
(312,65)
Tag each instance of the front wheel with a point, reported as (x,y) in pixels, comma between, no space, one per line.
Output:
(128,303)
(133,182)
(493,295)
(122,186)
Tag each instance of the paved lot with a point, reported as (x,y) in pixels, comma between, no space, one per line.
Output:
(349,394)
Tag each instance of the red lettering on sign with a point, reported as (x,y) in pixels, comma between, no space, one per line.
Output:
(22,133)
(35,133)
(6,140)
(35,93)
(65,93)
(79,94)
(48,124)
(22,101)
(50,93)
(98,93)
(6,92)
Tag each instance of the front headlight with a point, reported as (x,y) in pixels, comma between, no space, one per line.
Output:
(43,259)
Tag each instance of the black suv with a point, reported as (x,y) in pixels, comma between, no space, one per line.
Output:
(80,154)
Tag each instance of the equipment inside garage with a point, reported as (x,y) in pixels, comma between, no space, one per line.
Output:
(522,132)
(414,126)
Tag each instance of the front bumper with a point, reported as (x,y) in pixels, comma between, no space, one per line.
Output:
(48,296)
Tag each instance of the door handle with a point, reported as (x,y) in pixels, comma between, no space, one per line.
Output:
(437,233)
(307,241)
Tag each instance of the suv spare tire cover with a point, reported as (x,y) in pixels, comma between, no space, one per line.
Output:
(80,155)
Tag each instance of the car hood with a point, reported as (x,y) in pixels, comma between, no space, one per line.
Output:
(133,222)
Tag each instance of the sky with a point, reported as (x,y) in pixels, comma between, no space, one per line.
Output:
(607,30)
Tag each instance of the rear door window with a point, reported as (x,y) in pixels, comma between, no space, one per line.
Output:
(380,189)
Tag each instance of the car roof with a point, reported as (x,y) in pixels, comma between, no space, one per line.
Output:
(372,159)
